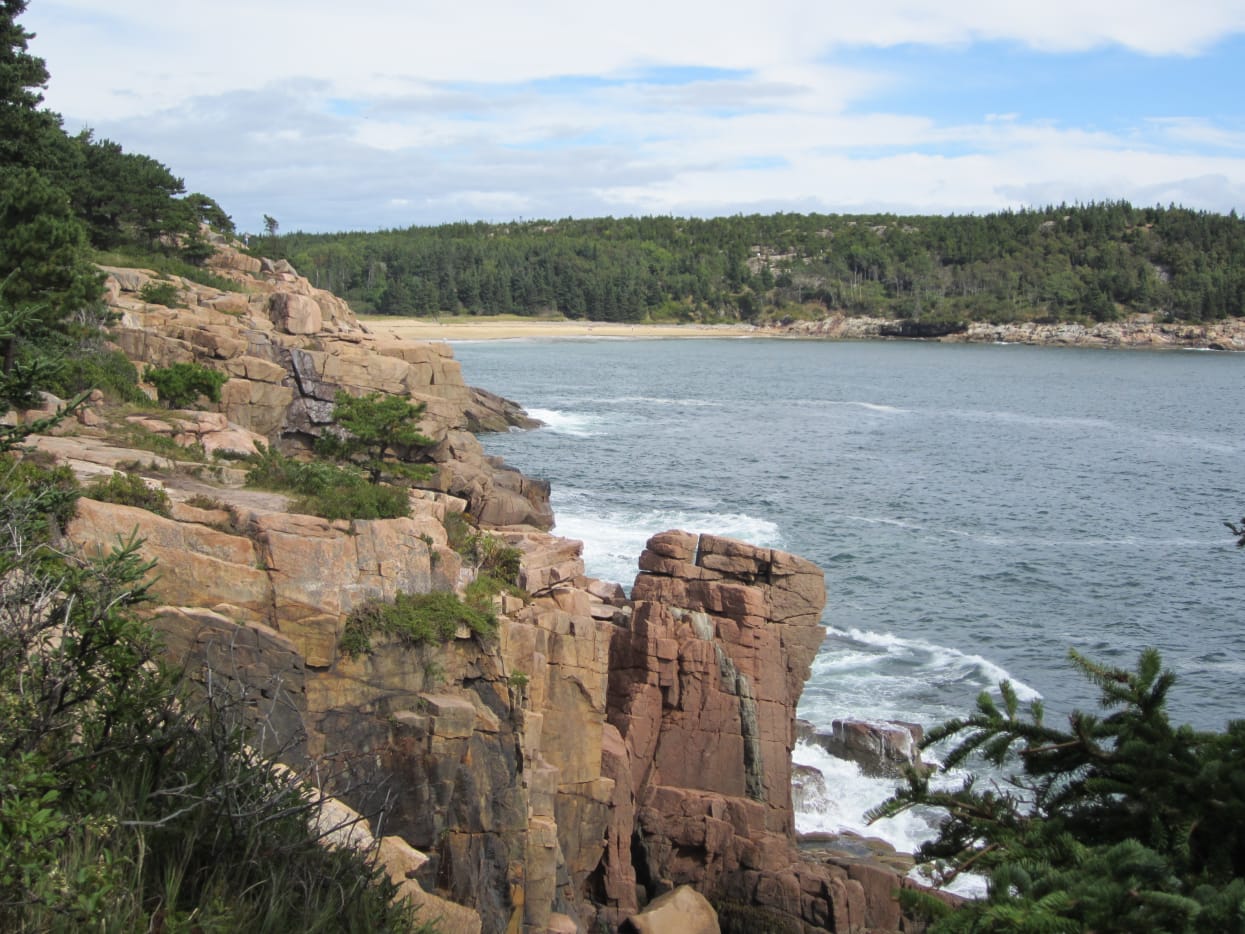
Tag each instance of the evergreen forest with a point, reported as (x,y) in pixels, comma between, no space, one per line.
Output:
(1095,262)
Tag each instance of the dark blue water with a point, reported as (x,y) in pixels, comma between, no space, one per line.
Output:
(978,510)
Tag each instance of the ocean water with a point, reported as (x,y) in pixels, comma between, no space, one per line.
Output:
(979,510)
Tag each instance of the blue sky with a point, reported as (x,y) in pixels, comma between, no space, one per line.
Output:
(385,113)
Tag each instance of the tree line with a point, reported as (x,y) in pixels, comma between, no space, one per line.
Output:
(1091,262)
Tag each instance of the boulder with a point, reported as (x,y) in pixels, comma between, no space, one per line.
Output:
(683,911)
(295,314)
(880,748)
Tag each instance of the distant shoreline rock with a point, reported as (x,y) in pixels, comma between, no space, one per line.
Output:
(1140,332)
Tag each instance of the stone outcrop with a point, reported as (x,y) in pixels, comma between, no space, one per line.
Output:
(1139,332)
(486,755)
(879,748)
(288,348)
(703,688)
(598,753)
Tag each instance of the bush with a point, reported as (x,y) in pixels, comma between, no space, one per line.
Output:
(108,370)
(50,493)
(481,591)
(487,552)
(378,433)
(128,489)
(458,531)
(327,490)
(181,384)
(136,436)
(160,292)
(414,620)
(133,257)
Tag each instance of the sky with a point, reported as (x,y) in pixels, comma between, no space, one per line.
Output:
(378,114)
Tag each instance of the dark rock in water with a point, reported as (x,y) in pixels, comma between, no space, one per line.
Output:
(808,787)
(923,328)
(491,412)
(879,748)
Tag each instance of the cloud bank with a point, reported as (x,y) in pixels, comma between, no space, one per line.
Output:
(385,114)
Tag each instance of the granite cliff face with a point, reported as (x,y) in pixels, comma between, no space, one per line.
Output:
(599,752)
(288,348)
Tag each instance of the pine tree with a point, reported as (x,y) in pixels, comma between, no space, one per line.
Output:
(378,433)
(1118,823)
(29,136)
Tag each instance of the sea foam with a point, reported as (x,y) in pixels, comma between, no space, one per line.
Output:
(568,423)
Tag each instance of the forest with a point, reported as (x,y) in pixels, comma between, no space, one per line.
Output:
(1093,262)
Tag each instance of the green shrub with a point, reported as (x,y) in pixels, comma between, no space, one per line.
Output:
(495,558)
(380,434)
(327,490)
(481,591)
(166,265)
(361,502)
(458,531)
(181,384)
(160,292)
(50,493)
(414,620)
(486,551)
(203,501)
(108,370)
(128,489)
(136,436)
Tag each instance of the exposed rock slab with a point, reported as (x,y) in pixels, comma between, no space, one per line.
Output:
(289,348)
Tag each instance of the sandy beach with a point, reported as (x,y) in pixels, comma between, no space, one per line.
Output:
(496,329)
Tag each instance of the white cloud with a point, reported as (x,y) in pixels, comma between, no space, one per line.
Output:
(113,58)
(384,113)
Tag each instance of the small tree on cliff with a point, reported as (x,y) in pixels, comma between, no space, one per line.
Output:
(379,433)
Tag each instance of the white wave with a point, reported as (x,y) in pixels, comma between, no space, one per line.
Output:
(935,658)
(663,400)
(1024,418)
(839,804)
(613,539)
(879,407)
(882,520)
(568,423)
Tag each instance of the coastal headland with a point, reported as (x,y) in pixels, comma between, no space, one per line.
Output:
(581,754)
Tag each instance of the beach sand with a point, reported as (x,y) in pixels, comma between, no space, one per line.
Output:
(494,329)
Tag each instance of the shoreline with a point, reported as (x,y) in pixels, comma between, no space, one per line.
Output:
(1141,333)
(493,329)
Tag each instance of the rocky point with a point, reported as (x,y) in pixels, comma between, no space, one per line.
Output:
(599,752)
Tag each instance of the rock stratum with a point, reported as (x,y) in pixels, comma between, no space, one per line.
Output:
(600,752)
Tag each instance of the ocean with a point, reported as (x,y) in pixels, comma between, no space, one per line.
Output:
(979,510)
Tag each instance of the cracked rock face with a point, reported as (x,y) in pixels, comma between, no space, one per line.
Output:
(289,348)
(703,689)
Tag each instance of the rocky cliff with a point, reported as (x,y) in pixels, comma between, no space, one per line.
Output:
(598,752)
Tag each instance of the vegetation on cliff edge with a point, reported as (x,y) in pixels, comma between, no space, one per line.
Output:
(126,802)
